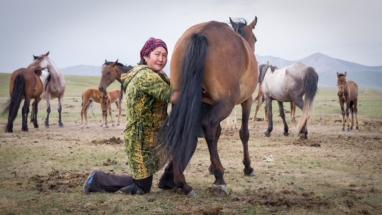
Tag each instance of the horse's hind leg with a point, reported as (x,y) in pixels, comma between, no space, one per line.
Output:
(211,127)
(282,114)
(119,111)
(25,112)
(347,116)
(270,121)
(244,136)
(47,110)
(355,112)
(342,101)
(35,110)
(59,112)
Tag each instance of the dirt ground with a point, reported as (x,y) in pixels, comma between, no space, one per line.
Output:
(333,172)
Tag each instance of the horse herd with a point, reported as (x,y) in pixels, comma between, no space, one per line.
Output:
(212,63)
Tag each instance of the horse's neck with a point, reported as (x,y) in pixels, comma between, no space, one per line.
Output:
(55,73)
(123,69)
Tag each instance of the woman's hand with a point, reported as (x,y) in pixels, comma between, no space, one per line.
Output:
(174,98)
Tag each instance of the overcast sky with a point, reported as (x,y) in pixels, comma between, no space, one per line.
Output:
(90,31)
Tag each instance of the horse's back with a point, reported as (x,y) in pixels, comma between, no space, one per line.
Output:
(114,95)
(229,69)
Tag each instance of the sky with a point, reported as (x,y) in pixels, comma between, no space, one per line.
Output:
(86,32)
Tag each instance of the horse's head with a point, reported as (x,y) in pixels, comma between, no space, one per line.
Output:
(245,30)
(109,74)
(105,101)
(40,62)
(341,83)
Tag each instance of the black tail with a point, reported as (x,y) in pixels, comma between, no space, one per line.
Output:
(14,104)
(310,92)
(176,138)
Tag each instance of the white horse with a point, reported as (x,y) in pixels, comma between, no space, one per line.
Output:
(53,82)
(289,84)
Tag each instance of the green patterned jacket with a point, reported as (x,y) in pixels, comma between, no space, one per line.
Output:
(147,96)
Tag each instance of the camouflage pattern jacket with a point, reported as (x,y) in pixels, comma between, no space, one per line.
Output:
(147,96)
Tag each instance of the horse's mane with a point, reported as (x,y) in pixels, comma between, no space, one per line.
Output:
(110,62)
(238,26)
(263,68)
(341,74)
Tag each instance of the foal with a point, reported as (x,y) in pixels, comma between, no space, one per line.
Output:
(94,95)
(347,93)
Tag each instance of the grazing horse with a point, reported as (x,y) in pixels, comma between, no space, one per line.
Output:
(24,84)
(53,83)
(94,95)
(213,57)
(347,93)
(289,84)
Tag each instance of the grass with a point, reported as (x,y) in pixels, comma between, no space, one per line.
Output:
(342,176)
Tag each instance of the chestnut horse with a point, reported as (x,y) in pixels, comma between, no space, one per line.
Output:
(288,84)
(24,84)
(347,93)
(213,57)
(94,95)
(53,83)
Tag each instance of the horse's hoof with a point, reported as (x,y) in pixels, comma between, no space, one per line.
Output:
(348,130)
(251,174)
(61,126)
(25,129)
(117,124)
(112,125)
(357,128)
(351,128)
(46,126)
(286,134)
(219,190)
(301,136)
(192,193)
(82,127)
(87,127)
(100,125)
(343,129)
(104,128)
(35,126)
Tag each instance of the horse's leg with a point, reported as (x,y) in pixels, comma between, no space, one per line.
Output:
(119,111)
(234,116)
(270,122)
(217,136)
(300,104)
(83,109)
(47,110)
(292,111)
(211,127)
(32,112)
(347,115)
(35,110)
(282,114)
(352,117)
(25,112)
(86,112)
(111,115)
(59,111)
(342,101)
(355,112)
(266,113)
(244,136)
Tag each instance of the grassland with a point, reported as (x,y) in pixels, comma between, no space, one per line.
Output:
(332,172)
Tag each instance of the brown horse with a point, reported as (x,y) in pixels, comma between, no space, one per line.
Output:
(112,71)
(94,95)
(53,83)
(24,84)
(347,93)
(214,57)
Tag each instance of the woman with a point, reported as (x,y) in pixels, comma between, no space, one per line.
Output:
(148,93)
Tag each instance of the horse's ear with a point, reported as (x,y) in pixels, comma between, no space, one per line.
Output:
(105,61)
(337,75)
(115,63)
(46,55)
(253,23)
(230,20)
(345,74)
(35,57)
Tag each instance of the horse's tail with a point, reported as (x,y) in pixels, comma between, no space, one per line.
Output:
(14,104)
(176,138)
(310,92)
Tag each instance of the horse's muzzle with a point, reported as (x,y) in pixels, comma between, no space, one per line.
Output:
(102,89)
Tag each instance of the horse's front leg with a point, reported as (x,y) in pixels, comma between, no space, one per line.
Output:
(244,136)
(342,101)
(119,111)
(111,115)
(32,113)
(47,110)
(282,114)
(347,115)
(270,122)
(59,111)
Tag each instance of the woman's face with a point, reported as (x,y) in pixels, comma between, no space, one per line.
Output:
(157,59)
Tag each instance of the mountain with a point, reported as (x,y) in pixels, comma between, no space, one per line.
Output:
(82,70)
(327,67)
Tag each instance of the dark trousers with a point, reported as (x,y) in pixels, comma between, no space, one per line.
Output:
(107,182)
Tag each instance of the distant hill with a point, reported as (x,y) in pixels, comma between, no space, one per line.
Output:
(327,67)
(82,70)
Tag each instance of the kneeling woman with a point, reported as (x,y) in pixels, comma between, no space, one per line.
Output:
(148,93)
